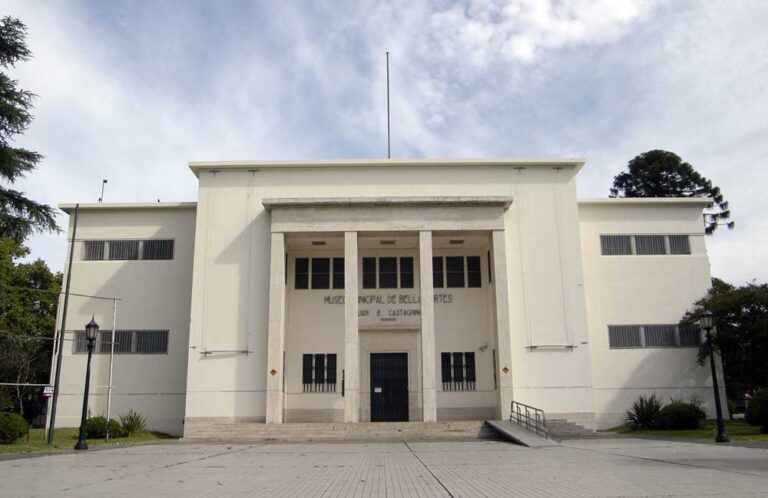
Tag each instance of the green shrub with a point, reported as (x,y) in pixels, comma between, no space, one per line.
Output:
(698,404)
(757,410)
(96,428)
(644,413)
(680,415)
(12,427)
(133,423)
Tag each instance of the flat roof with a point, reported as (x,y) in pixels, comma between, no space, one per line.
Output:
(646,201)
(576,163)
(106,206)
(309,202)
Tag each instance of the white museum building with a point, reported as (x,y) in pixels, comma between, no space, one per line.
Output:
(384,290)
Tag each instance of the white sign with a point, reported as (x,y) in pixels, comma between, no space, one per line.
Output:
(47,391)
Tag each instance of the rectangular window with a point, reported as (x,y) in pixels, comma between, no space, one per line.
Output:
(157,249)
(338,273)
(318,373)
(689,336)
(490,270)
(93,250)
(127,342)
(123,250)
(659,336)
(458,371)
(301,273)
(369,273)
(406,273)
(454,266)
(649,244)
(679,244)
(474,274)
(613,245)
(321,273)
(437,272)
(624,336)
(388,273)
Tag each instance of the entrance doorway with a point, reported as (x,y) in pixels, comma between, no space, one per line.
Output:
(389,387)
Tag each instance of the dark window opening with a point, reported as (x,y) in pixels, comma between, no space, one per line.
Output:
(321,273)
(318,373)
(369,273)
(437,272)
(454,266)
(458,371)
(338,273)
(474,275)
(388,273)
(406,273)
(301,273)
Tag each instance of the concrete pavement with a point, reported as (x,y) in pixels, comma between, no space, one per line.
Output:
(594,467)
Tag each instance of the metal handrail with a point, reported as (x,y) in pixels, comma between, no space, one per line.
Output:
(529,418)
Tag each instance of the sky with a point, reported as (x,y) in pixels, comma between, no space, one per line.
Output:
(130,91)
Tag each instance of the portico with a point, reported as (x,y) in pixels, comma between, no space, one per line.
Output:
(396,229)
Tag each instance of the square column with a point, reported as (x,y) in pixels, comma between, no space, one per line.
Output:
(351,331)
(276,331)
(503,339)
(428,381)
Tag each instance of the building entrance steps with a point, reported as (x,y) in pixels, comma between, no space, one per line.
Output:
(216,430)
(518,435)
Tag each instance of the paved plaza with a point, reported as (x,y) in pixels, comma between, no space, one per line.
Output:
(594,467)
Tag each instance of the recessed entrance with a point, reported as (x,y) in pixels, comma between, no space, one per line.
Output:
(389,387)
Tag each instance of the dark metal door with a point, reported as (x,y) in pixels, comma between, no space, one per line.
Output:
(389,387)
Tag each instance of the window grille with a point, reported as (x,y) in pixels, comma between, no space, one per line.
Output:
(388,273)
(127,342)
(321,273)
(474,275)
(338,273)
(690,336)
(679,244)
(438,275)
(614,245)
(406,273)
(369,273)
(458,371)
(624,336)
(123,250)
(319,373)
(157,249)
(301,273)
(454,266)
(93,250)
(659,336)
(649,244)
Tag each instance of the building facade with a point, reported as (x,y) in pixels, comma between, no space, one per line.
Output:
(387,290)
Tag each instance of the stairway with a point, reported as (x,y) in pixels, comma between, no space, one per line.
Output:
(560,428)
(363,431)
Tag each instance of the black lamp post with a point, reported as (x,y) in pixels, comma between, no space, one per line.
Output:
(708,323)
(91,331)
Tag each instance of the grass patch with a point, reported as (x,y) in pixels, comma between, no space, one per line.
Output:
(737,430)
(66,437)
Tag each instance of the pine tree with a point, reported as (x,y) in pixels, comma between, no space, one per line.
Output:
(19,216)
(658,173)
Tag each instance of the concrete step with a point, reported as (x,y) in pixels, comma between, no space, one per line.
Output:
(234,431)
(562,428)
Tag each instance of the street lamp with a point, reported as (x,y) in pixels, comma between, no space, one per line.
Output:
(707,322)
(91,331)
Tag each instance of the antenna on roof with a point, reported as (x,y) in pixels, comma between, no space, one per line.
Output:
(103,182)
(389,150)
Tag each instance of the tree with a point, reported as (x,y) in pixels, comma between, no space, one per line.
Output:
(741,333)
(19,216)
(28,296)
(658,173)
